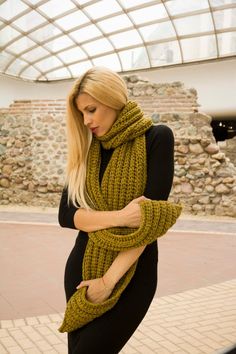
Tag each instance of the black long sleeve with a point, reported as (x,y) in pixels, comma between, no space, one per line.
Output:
(160,160)
(66,212)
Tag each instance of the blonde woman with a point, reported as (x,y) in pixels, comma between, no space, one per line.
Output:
(119,163)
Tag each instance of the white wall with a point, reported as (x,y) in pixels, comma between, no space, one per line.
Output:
(215,83)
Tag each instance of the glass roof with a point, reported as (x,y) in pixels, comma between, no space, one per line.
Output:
(44,40)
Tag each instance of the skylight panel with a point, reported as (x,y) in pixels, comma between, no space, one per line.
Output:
(35,54)
(164,53)
(5,59)
(58,44)
(70,21)
(21,45)
(79,68)
(199,48)
(227,43)
(30,73)
(216,3)
(125,39)
(158,31)
(103,8)
(115,23)
(29,21)
(45,33)
(86,33)
(16,67)
(53,8)
(72,55)
(194,24)
(225,18)
(7,34)
(132,3)
(10,9)
(98,47)
(177,7)
(58,74)
(147,14)
(133,59)
(110,61)
(47,64)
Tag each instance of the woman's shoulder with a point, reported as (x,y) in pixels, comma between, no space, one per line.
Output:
(159,134)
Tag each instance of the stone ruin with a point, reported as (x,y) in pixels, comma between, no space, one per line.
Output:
(33,150)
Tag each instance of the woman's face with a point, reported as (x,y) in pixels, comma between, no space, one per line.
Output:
(97,117)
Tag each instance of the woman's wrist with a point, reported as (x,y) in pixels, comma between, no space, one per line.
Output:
(121,218)
(108,282)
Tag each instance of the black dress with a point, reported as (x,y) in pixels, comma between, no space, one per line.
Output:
(110,332)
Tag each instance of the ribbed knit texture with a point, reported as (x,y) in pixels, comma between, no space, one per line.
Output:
(124,179)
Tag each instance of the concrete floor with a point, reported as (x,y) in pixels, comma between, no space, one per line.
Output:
(195,253)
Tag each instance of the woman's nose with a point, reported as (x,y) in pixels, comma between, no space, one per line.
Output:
(87,120)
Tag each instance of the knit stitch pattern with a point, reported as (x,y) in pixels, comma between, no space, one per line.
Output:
(124,180)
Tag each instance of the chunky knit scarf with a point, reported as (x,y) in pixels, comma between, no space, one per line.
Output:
(124,179)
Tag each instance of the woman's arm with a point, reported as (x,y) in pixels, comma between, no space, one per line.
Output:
(92,220)
(101,288)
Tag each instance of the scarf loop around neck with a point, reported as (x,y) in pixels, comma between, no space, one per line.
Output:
(124,180)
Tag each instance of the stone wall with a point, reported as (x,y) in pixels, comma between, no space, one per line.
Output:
(204,178)
(33,150)
(229,148)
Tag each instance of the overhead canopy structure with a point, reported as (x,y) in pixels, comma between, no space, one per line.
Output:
(45,40)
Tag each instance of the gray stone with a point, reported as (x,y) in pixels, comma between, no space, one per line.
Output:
(195,148)
(2,149)
(186,188)
(155,117)
(204,200)
(222,189)
(197,207)
(219,156)
(4,182)
(183,149)
(209,189)
(7,169)
(180,172)
(212,148)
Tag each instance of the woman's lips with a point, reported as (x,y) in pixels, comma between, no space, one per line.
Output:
(93,129)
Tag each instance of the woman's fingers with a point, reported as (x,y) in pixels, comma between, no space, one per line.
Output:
(139,199)
(83,284)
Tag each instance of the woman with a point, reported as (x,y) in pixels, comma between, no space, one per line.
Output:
(118,164)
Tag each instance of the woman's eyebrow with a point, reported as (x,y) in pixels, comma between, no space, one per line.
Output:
(88,106)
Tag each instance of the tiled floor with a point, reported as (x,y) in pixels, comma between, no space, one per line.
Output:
(194,310)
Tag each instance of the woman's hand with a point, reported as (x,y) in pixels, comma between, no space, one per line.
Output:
(97,290)
(131,214)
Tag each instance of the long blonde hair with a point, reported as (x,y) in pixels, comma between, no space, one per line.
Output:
(108,88)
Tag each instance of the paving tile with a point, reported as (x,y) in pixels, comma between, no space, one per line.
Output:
(53,339)
(8,342)
(3,333)
(44,319)
(19,322)
(60,348)
(7,324)
(43,345)
(3,349)
(25,343)
(16,350)
(33,351)
(31,321)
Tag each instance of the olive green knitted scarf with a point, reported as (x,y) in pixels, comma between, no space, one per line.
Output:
(124,179)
